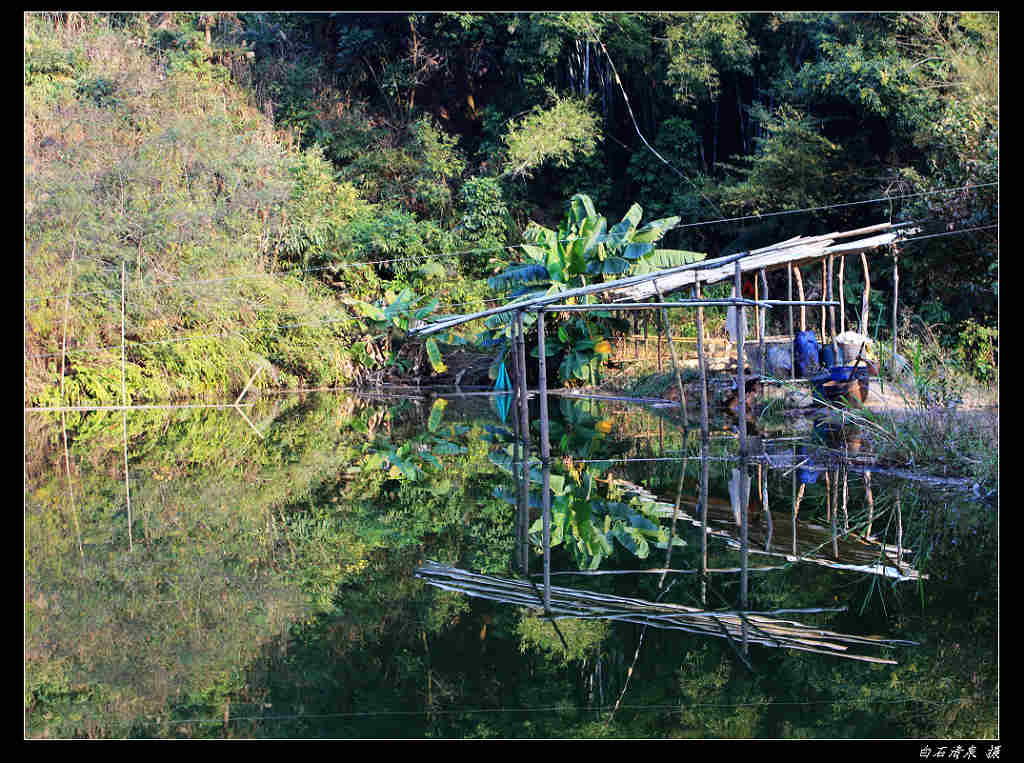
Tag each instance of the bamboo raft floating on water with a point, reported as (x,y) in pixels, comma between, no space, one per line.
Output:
(852,551)
(743,627)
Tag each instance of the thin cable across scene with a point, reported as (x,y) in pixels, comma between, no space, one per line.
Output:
(507,247)
(88,350)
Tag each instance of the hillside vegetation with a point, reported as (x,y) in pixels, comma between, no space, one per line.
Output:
(247,184)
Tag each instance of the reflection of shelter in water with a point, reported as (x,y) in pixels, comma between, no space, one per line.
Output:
(782,535)
(745,627)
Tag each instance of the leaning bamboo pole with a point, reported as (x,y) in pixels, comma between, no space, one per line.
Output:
(675,359)
(800,293)
(865,294)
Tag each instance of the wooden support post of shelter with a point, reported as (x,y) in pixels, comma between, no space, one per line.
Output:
(895,299)
(865,294)
(800,294)
(743,489)
(762,319)
(659,346)
(758,311)
(545,456)
(741,383)
(789,296)
(702,365)
(522,441)
(824,291)
(796,504)
(842,296)
(704,473)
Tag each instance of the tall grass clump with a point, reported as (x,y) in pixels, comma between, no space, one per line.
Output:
(949,424)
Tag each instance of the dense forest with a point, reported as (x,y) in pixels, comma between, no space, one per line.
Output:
(257,180)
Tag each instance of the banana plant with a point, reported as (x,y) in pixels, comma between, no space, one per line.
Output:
(583,251)
(393,319)
(418,456)
(585,518)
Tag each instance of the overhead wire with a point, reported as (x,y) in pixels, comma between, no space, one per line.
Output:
(481,250)
(87,350)
(677,707)
(632,117)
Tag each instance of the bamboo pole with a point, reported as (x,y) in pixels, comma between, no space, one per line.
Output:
(687,303)
(846,497)
(835,516)
(248,384)
(842,296)
(864,302)
(899,528)
(741,383)
(67,309)
(124,418)
(763,479)
(63,418)
(828,496)
(702,366)
(545,454)
(659,346)
(789,296)
(522,442)
(824,287)
(247,421)
(895,301)
(672,530)
(800,293)
(762,320)
(796,506)
(71,490)
(675,360)
(871,503)
(831,291)
(757,320)
(704,474)
(744,544)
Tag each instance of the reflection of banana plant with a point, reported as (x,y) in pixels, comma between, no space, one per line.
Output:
(578,430)
(394,319)
(582,251)
(588,524)
(584,517)
(414,457)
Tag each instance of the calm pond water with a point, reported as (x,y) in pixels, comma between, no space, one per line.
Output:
(334,565)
